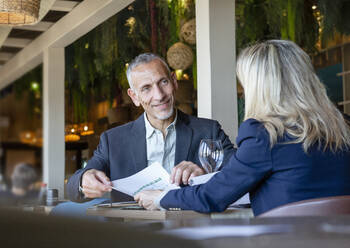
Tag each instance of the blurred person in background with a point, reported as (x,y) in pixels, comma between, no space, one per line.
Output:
(22,190)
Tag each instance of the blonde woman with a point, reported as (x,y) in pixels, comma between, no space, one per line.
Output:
(293,145)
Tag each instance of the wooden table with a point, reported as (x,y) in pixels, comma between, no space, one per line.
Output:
(19,229)
(301,232)
(139,215)
(38,209)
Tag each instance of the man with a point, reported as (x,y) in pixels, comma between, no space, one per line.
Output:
(161,134)
(22,190)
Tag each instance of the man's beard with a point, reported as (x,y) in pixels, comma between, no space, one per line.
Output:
(167,116)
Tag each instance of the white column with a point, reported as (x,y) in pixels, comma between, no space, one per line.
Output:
(216,62)
(53,118)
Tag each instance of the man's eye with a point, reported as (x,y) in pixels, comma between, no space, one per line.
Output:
(165,81)
(145,89)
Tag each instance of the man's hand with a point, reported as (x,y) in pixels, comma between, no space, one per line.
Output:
(147,199)
(95,183)
(184,171)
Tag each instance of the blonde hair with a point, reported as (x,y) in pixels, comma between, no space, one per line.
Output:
(283,92)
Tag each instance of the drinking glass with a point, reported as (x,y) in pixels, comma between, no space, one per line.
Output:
(211,154)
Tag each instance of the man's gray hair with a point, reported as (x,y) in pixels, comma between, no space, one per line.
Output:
(143,58)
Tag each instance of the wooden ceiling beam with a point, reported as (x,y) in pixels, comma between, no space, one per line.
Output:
(65,6)
(5,56)
(16,42)
(41,26)
(82,19)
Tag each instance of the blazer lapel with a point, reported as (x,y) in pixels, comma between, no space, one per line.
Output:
(138,144)
(183,138)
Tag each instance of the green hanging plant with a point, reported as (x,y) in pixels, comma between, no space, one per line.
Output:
(252,23)
(274,19)
(282,18)
(335,18)
(194,73)
(31,83)
(96,63)
(176,18)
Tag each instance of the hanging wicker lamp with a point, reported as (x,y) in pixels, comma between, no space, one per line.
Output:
(19,12)
(180,56)
(188,31)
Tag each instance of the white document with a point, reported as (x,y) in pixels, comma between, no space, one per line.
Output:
(156,177)
(201,179)
(209,232)
(205,178)
(152,177)
(241,201)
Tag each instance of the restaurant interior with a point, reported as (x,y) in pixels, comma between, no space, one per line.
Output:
(63,83)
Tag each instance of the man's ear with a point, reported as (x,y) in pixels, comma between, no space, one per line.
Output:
(134,97)
(174,79)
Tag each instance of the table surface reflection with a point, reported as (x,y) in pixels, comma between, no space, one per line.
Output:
(321,232)
(146,215)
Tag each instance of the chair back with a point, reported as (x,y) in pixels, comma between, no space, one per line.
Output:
(335,205)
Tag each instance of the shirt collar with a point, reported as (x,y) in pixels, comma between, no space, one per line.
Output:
(150,129)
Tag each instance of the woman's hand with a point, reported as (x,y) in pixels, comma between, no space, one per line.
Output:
(147,199)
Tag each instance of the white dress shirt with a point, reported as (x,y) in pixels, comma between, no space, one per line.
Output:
(161,149)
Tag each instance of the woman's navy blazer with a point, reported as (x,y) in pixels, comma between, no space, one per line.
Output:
(273,176)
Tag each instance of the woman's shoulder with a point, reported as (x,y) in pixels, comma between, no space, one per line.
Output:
(251,128)
(253,143)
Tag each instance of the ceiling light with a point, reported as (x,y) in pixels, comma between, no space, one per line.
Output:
(19,12)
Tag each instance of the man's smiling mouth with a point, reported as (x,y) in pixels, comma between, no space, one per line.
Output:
(161,104)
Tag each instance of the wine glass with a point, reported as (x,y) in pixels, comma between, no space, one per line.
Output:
(211,154)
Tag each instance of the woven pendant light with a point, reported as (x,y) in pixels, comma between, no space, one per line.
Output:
(19,12)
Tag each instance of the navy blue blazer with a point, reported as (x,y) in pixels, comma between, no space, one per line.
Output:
(122,150)
(273,176)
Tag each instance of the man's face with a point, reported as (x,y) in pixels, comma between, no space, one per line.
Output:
(154,89)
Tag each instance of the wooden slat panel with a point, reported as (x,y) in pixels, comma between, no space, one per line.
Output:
(83,18)
(41,26)
(66,6)
(16,42)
